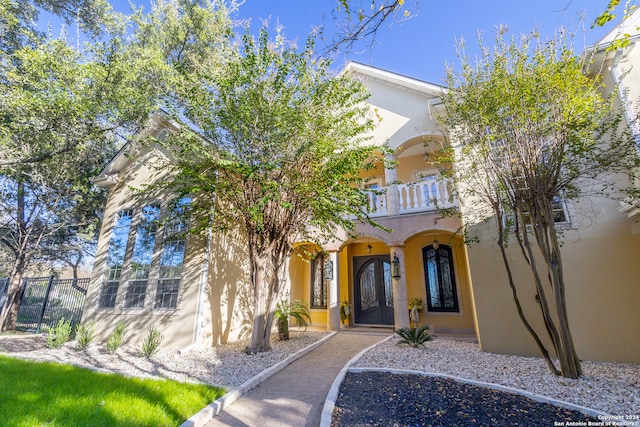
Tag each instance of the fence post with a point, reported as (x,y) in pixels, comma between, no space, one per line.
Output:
(44,304)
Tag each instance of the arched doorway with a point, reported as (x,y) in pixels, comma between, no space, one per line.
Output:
(373,291)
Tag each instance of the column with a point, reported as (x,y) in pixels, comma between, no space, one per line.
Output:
(333,285)
(391,179)
(400,300)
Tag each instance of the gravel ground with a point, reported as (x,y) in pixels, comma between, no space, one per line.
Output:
(613,388)
(226,365)
(386,399)
(607,387)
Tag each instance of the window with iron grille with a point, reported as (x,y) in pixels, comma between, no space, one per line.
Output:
(318,283)
(440,278)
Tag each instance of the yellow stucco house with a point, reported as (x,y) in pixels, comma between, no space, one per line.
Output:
(195,289)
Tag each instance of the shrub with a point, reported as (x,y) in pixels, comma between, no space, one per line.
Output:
(415,337)
(114,340)
(84,334)
(151,342)
(59,334)
(297,309)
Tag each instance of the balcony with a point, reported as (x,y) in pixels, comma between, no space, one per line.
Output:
(422,196)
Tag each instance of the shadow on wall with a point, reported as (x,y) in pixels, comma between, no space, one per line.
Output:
(229,288)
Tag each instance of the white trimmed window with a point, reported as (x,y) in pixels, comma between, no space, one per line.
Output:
(157,257)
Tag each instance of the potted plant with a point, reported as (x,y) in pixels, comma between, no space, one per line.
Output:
(415,307)
(345,312)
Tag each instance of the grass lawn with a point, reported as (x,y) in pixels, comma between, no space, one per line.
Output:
(55,395)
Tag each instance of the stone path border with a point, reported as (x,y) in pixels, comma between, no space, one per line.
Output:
(208,412)
(335,388)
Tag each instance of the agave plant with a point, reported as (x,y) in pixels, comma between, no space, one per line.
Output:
(297,309)
(415,337)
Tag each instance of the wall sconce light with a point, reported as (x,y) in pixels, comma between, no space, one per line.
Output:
(395,267)
(328,270)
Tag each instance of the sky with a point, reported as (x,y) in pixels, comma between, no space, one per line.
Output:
(420,46)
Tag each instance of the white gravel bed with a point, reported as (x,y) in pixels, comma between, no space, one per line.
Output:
(225,365)
(613,388)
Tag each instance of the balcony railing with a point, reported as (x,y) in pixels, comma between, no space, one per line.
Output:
(423,196)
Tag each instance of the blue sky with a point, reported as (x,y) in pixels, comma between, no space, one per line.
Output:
(420,47)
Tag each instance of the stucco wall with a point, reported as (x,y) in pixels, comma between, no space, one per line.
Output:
(177,326)
(602,274)
(463,321)
(229,299)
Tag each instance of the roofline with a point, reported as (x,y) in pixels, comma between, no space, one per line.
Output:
(630,22)
(394,78)
(108,175)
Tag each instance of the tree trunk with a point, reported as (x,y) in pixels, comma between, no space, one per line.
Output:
(9,313)
(516,299)
(546,239)
(11,306)
(261,333)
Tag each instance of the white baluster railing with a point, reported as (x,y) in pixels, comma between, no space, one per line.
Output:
(421,196)
(377,202)
(426,195)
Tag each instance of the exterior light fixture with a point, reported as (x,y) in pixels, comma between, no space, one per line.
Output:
(369,247)
(395,267)
(328,270)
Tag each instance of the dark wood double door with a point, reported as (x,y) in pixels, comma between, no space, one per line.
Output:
(373,292)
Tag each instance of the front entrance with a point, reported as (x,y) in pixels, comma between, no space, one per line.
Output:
(373,292)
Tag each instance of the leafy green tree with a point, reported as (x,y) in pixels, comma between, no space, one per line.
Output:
(63,113)
(18,19)
(529,125)
(279,144)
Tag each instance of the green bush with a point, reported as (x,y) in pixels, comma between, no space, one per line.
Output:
(59,334)
(415,337)
(151,342)
(84,334)
(114,340)
(297,309)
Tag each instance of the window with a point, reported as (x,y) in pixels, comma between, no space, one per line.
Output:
(147,262)
(115,258)
(142,256)
(440,278)
(172,256)
(558,209)
(318,283)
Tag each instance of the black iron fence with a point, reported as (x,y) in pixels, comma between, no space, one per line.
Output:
(46,300)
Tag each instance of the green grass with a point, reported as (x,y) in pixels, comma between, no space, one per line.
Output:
(55,395)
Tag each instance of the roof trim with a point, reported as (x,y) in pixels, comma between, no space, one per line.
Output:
(394,78)
(108,177)
(628,25)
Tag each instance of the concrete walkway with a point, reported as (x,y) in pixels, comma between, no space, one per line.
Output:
(294,397)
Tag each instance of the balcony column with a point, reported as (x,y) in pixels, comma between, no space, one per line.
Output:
(333,285)
(391,178)
(400,300)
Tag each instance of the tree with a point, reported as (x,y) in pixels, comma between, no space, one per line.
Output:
(62,114)
(529,126)
(279,148)
(359,20)
(18,19)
